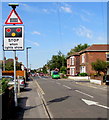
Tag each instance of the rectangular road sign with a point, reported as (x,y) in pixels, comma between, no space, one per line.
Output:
(13,38)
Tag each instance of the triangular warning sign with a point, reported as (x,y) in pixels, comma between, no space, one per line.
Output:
(13,18)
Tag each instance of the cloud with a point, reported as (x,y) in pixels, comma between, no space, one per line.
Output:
(84,18)
(35,43)
(36,32)
(66,9)
(35,9)
(83,31)
(87,12)
(26,7)
(101,39)
(45,10)
(85,15)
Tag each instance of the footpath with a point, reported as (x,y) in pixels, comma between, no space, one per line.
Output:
(30,104)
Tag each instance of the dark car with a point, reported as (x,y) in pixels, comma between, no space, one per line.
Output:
(107,79)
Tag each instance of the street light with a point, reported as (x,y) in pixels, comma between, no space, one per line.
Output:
(27,56)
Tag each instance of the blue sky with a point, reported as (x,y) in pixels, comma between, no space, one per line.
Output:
(51,27)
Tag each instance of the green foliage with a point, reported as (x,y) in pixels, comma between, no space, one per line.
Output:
(44,70)
(83,74)
(9,65)
(63,69)
(57,61)
(3,85)
(78,48)
(100,66)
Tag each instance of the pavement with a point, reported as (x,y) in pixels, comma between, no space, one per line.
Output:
(30,104)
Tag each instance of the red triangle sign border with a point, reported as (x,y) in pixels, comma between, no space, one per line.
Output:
(17,17)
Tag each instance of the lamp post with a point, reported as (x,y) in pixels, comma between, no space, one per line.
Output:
(27,56)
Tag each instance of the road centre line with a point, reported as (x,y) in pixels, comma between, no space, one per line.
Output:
(67,87)
(84,93)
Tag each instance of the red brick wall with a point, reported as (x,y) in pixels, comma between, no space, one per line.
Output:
(77,64)
(92,57)
(68,63)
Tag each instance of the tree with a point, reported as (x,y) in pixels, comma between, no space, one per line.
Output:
(9,65)
(57,61)
(100,66)
(63,69)
(77,48)
(44,69)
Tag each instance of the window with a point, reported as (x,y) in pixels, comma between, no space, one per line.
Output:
(107,56)
(72,60)
(83,58)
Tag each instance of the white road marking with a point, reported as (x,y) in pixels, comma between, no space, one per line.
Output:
(89,102)
(84,93)
(90,86)
(40,88)
(58,83)
(67,87)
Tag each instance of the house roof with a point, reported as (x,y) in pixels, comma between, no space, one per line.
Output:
(74,54)
(96,47)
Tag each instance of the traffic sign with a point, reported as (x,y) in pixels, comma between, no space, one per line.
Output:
(13,38)
(13,18)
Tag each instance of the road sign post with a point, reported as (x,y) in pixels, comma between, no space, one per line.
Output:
(13,39)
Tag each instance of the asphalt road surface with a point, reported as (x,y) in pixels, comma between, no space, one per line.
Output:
(69,99)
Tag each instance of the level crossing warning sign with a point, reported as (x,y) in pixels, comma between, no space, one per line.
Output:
(13,38)
(13,18)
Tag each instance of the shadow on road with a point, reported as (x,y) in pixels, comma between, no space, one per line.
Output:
(18,112)
(26,89)
(58,100)
(83,81)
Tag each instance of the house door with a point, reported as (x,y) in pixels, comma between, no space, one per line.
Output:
(83,69)
(71,71)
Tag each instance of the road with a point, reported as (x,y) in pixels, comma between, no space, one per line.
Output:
(69,99)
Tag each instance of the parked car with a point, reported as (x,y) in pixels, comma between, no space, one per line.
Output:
(107,79)
(12,82)
(107,82)
(7,76)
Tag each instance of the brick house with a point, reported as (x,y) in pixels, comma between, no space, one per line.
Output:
(73,63)
(86,57)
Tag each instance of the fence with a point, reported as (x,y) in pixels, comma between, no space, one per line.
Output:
(7,102)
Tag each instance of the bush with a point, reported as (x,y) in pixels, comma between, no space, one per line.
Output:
(3,85)
(63,69)
(83,74)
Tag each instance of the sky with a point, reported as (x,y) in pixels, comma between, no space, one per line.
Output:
(57,26)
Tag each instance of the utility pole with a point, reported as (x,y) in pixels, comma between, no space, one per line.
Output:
(3,60)
(27,56)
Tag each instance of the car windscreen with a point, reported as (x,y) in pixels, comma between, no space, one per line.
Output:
(55,73)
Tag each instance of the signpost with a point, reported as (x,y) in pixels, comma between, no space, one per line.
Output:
(13,18)
(13,39)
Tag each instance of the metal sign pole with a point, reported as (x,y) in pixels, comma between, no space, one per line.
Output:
(15,90)
(15,42)
(3,60)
